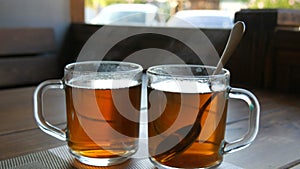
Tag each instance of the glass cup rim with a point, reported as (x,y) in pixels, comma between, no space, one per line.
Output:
(153,71)
(71,67)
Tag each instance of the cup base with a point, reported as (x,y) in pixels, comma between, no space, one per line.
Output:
(100,161)
(161,166)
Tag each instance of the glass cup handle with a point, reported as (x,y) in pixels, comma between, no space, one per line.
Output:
(254,110)
(38,108)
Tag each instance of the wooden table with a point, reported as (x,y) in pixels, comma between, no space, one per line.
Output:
(277,144)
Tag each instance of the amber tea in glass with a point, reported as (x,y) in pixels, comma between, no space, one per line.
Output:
(103,109)
(187,110)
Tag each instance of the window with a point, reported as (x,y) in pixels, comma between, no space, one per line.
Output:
(159,12)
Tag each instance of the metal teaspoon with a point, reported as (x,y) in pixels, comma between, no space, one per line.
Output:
(187,135)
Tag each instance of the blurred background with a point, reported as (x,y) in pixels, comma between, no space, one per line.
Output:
(171,7)
(56,30)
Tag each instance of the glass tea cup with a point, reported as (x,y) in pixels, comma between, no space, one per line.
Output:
(103,110)
(187,110)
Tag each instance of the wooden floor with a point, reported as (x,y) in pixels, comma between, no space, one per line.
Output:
(277,144)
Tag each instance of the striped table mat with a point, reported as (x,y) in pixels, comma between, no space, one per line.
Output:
(60,158)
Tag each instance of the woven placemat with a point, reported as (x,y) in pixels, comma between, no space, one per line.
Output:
(60,158)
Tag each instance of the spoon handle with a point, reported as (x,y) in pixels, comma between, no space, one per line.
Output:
(233,40)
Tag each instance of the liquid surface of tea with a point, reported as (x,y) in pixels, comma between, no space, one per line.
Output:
(103,120)
(171,112)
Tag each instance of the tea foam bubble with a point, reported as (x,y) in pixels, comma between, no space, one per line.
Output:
(87,83)
(182,86)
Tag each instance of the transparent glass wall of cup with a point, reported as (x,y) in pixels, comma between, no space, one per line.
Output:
(103,106)
(187,109)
